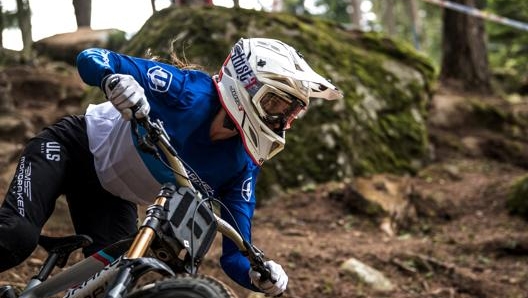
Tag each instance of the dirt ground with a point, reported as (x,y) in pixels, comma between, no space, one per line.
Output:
(474,249)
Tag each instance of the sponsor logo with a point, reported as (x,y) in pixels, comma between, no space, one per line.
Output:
(95,286)
(234,94)
(22,187)
(243,70)
(195,180)
(247,190)
(159,79)
(104,55)
(51,150)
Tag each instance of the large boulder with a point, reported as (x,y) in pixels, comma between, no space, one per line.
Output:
(378,127)
(65,46)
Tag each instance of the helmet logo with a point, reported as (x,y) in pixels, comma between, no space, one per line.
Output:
(261,63)
(243,70)
(234,94)
(159,79)
(246,189)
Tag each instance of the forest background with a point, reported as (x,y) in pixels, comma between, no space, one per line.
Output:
(469,52)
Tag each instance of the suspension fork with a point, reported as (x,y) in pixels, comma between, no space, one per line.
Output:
(134,264)
(147,231)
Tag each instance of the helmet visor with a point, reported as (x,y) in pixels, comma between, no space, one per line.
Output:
(278,109)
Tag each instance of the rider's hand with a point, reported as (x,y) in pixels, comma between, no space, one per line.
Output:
(125,94)
(267,286)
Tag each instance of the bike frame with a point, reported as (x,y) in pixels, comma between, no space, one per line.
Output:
(92,277)
(79,273)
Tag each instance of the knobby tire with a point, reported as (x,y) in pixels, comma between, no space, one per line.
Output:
(185,286)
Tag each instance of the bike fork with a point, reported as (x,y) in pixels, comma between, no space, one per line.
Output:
(134,264)
(7,292)
(147,231)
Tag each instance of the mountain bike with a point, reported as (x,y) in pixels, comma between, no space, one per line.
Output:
(176,234)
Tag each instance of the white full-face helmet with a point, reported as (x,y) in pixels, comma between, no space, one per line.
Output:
(264,85)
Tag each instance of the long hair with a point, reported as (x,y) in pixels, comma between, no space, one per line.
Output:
(174,59)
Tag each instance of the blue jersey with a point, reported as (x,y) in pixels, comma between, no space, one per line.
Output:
(186,101)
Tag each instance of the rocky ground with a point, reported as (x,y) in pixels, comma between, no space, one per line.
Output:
(456,238)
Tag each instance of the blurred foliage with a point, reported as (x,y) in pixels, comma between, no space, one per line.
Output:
(426,38)
(10,19)
(508,46)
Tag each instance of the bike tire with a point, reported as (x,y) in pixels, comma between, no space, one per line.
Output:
(185,286)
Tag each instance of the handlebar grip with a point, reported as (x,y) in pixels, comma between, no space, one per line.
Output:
(136,107)
(265,273)
(113,83)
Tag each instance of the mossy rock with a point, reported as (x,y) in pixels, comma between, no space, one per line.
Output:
(517,202)
(378,127)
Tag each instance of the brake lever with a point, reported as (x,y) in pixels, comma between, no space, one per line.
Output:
(256,259)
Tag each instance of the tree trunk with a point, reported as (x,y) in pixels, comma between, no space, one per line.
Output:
(464,51)
(276,6)
(412,7)
(83,12)
(2,22)
(355,15)
(24,22)
(388,18)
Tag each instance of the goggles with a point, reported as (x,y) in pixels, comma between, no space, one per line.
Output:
(276,108)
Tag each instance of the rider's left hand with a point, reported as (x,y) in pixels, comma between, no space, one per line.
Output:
(274,286)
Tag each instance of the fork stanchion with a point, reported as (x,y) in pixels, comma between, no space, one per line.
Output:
(147,231)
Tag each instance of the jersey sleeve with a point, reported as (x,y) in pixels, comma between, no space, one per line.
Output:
(162,82)
(94,64)
(238,208)
(165,85)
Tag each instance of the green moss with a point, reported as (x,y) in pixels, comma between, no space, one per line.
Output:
(488,115)
(517,202)
(502,119)
(116,40)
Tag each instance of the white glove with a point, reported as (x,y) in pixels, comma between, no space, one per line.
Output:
(267,286)
(124,92)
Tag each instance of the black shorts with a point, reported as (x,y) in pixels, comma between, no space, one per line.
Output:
(58,162)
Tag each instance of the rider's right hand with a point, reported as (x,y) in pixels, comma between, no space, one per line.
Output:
(125,93)
(273,286)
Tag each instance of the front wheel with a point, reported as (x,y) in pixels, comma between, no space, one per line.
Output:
(186,286)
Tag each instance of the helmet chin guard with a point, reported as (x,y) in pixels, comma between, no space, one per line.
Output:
(263,85)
